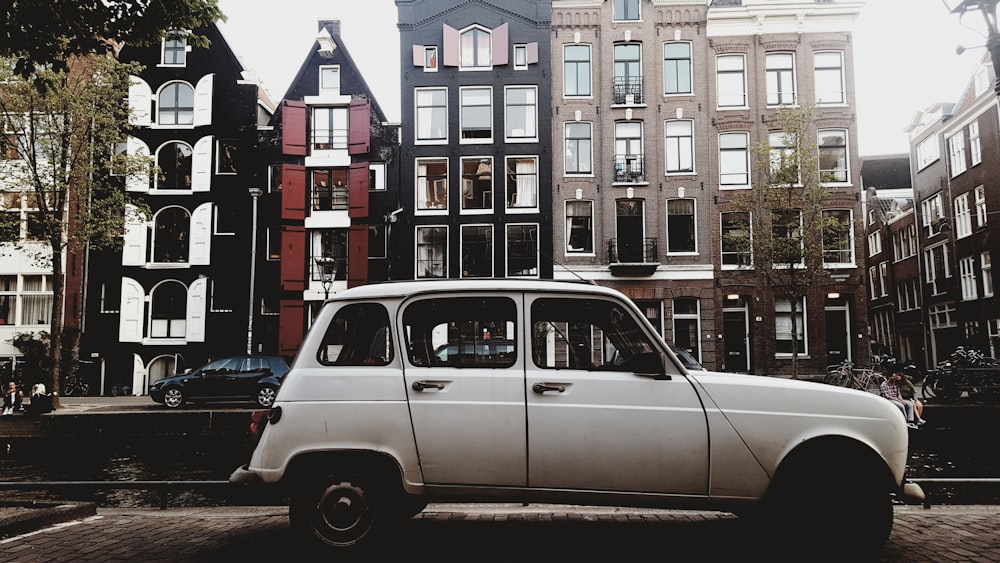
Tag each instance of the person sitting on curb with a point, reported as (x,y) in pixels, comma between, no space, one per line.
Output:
(890,389)
(11,399)
(41,402)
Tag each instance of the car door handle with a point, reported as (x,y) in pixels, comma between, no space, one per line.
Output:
(424,385)
(541,388)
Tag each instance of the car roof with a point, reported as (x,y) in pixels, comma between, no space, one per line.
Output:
(408,288)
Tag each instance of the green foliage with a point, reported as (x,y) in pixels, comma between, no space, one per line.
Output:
(49,34)
(36,361)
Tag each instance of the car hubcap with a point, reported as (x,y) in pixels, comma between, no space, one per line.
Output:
(345,514)
(266,397)
(172,398)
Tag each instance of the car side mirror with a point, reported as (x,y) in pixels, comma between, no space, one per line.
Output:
(651,364)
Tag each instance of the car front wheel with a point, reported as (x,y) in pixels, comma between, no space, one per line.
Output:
(266,395)
(173,398)
(335,513)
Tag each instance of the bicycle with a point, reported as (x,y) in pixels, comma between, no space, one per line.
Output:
(846,375)
(74,384)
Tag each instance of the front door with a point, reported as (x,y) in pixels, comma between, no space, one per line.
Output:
(838,344)
(598,418)
(736,341)
(465,383)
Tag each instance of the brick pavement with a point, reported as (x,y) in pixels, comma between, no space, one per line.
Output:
(497,533)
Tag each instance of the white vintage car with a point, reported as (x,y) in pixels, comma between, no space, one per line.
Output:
(557,392)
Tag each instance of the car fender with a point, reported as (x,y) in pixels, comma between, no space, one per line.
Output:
(773,416)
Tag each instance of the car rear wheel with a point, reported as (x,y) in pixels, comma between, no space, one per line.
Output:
(266,395)
(336,513)
(173,397)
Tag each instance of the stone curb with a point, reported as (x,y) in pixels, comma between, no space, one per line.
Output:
(23,517)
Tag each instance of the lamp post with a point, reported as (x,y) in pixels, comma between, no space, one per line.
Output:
(255,193)
(988,9)
(328,270)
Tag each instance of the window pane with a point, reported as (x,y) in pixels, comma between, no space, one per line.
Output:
(358,335)
(461,332)
(477,251)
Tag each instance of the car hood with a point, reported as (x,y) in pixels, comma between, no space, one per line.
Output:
(773,414)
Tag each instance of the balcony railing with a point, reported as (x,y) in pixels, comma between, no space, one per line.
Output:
(627,91)
(633,256)
(629,168)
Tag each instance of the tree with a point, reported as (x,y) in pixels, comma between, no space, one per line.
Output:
(59,147)
(64,115)
(50,36)
(790,230)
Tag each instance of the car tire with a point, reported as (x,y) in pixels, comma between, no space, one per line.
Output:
(266,395)
(336,513)
(832,509)
(173,397)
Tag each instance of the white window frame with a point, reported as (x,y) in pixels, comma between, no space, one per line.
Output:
(845,170)
(967,277)
(417,248)
(431,111)
(464,62)
(530,123)
(928,152)
(672,68)
(577,64)
(570,250)
(987,269)
(849,250)
(956,154)
(777,72)
(506,252)
(975,144)
(694,226)
(626,5)
(932,211)
(471,90)
(514,205)
(492,242)
(674,144)
(731,68)
(440,186)
(724,253)
(326,73)
(963,216)
(800,326)
(182,49)
(874,243)
(982,217)
(576,141)
(431,59)
(735,150)
(520,56)
(823,65)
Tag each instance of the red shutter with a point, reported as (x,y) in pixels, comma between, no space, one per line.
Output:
(291,327)
(293,258)
(360,125)
(357,255)
(500,46)
(358,190)
(451,46)
(293,191)
(293,127)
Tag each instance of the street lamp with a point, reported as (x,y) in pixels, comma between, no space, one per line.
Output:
(328,270)
(988,8)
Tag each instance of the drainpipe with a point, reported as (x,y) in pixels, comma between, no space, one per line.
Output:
(254,194)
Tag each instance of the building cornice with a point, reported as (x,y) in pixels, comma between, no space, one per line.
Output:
(784,17)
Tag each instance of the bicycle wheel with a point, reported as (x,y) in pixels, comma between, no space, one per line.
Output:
(874,384)
(927,389)
(946,388)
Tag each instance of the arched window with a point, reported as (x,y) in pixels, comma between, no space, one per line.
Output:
(168,310)
(174,162)
(175,104)
(171,235)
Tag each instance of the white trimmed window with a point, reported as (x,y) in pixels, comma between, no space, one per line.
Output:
(681,227)
(431,126)
(679,146)
(987,269)
(828,73)
(932,212)
(833,162)
(780,77)
(432,252)
(734,161)
(874,243)
(477,251)
(967,276)
(963,217)
(677,68)
(476,115)
(576,70)
(522,250)
(928,151)
(475,49)
(783,331)
(174,51)
(975,144)
(521,113)
(432,184)
(579,227)
(579,149)
(981,215)
(956,153)
(731,81)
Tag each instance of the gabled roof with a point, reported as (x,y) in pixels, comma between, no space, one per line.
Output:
(889,171)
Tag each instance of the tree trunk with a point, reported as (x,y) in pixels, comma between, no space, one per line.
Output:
(794,302)
(55,340)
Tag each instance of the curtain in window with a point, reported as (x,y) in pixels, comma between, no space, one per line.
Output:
(527,184)
(36,309)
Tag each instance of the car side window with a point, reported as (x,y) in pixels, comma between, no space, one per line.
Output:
(255,364)
(227,364)
(461,332)
(588,334)
(358,335)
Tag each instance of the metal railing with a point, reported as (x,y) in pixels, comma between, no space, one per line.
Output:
(636,251)
(627,91)
(629,168)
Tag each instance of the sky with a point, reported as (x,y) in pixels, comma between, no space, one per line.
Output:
(905,57)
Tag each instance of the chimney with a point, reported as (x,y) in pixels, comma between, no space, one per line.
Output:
(332,26)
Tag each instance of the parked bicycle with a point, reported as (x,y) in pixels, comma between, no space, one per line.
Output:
(965,372)
(75,385)
(846,375)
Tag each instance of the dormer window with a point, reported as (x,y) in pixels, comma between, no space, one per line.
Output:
(174,51)
(476,46)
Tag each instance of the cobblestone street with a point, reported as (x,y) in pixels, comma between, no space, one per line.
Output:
(501,533)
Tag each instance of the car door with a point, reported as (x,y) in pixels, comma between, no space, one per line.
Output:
(214,378)
(602,414)
(467,405)
(245,379)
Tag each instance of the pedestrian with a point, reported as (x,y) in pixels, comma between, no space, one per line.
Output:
(41,402)
(11,399)
(891,389)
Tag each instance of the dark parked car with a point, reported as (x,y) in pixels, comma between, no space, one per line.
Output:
(238,378)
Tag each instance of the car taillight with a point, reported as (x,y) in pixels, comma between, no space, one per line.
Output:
(258,420)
